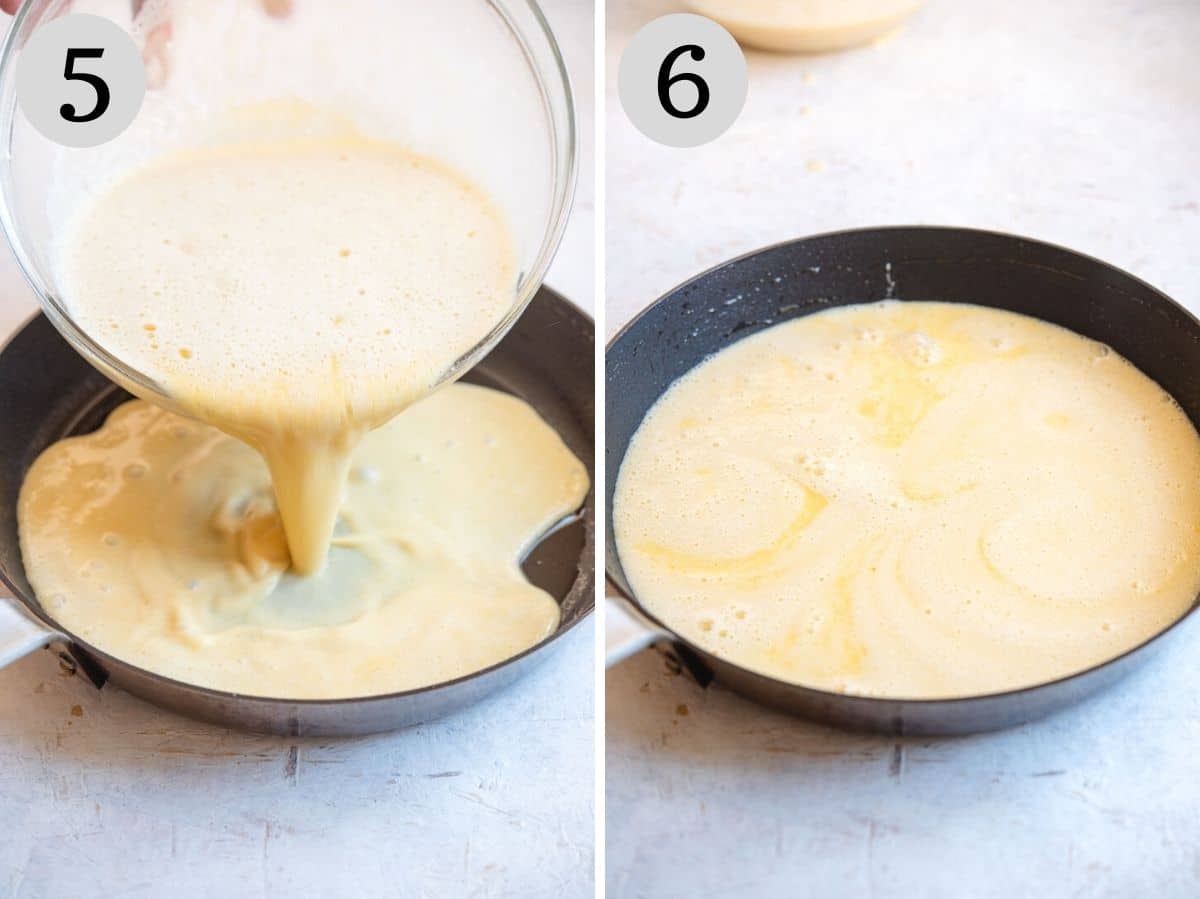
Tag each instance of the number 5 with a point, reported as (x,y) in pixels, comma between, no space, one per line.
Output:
(666,81)
(67,110)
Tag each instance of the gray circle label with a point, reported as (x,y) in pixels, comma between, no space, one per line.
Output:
(80,80)
(682,80)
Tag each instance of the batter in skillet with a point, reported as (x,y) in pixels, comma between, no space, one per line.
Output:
(913,500)
(156,538)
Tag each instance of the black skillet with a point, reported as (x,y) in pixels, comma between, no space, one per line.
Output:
(48,391)
(796,278)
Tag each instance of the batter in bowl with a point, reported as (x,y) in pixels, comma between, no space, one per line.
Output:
(807,26)
(913,500)
(294,291)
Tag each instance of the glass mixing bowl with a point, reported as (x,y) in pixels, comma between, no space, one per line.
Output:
(479,84)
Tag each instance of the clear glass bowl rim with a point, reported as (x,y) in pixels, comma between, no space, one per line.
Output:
(564,158)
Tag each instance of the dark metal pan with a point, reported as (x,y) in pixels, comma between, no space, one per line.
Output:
(48,391)
(793,279)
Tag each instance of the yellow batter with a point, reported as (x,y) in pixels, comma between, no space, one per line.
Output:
(913,500)
(157,539)
(294,283)
(807,26)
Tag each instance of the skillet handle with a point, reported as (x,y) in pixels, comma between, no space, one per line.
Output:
(20,633)
(626,630)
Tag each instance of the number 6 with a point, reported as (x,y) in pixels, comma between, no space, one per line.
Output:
(666,81)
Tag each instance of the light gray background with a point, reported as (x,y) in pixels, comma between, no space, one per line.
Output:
(721,71)
(1075,121)
(43,88)
(125,799)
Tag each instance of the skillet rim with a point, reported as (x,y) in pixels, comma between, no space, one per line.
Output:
(620,582)
(586,583)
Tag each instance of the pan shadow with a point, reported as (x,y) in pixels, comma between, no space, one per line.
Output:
(57,716)
(751,801)
(101,785)
(654,707)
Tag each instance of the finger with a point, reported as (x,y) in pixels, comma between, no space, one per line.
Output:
(277,8)
(155,54)
(9,6)
(158,39)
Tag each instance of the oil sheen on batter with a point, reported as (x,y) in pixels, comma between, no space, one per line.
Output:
(913,500)
(293,283)
(157,539)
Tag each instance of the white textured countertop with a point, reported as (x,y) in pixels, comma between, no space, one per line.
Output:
(104,795)
(1073,121)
